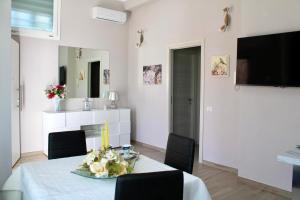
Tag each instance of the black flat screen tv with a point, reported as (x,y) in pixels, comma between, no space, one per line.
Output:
(269,60)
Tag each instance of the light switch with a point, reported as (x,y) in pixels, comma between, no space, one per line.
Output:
(209,108)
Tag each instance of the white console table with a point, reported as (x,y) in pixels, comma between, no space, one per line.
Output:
(90,121)
(292,157)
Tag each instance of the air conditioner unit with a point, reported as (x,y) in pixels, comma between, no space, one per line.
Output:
(109,15)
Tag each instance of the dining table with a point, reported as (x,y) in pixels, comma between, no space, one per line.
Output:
(53,180)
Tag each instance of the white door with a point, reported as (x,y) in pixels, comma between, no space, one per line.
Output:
(15,102)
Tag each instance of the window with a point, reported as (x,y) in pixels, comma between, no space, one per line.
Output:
(36,18)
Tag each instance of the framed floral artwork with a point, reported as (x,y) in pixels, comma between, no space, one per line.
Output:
(152,74)
(220,66)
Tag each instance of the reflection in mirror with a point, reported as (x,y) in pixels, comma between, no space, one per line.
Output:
(85,72)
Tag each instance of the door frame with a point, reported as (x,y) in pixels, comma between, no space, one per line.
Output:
(169,70)
(19,103)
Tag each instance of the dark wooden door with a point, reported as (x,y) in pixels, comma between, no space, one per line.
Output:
(95,80)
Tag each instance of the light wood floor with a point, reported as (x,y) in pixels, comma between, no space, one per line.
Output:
(222,185)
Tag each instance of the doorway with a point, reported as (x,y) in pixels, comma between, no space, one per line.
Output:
(94,80)
(186,92)
(186,89)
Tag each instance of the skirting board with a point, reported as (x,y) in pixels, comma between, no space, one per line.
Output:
(255,184)
(148,146)
(265,187)
(252,183)
(29,154)
(221,167)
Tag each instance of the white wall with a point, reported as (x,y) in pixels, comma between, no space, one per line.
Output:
(5,79)
(39,63)
(184,21)
(268,117)
(247,127)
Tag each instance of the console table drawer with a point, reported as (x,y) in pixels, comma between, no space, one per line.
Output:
(89,121)
(77,119)
(54,120)
(105,115)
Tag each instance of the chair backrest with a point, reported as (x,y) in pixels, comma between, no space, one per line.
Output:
(180,153)
(66,144)
(150,186)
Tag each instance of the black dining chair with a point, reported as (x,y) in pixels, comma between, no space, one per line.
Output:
(180,153)
(66,144)
(150,186)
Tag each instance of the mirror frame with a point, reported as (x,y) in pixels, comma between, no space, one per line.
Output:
(109,61)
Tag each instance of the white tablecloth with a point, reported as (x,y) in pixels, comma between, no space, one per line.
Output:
(53,180)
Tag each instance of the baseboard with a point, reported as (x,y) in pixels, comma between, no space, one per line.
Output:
(265,187)
(252,183)
(148,146)
(29,154)
(221,167)
(255,184)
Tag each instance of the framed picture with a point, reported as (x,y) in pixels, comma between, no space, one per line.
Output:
(106,76)
(220,66)
(152,74)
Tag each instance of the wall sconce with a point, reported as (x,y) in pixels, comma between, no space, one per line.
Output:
(79,55)
(227,20)
(81,75)
(141,38)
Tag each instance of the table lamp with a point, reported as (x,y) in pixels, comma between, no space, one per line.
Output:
(113,97)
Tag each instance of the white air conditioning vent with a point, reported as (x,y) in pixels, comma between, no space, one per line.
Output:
(109,15)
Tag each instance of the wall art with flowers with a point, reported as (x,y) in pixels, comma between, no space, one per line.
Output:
(220,66)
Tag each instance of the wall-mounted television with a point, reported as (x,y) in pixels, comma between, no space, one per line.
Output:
(269,60)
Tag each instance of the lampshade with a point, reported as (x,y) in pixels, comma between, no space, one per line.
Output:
(113,96)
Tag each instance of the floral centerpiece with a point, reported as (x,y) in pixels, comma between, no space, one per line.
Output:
(105,164)
(57,93)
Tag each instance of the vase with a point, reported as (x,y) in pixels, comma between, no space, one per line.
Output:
(57,106)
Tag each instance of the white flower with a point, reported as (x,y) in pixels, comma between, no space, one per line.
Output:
(111,155)
(97,164)
(104,161)
(98,169)
(90,158)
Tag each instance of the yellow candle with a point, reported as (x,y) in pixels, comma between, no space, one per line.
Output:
(102,140)
(106,135)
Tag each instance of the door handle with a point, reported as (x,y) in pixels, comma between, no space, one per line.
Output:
(21,97)
(190,100)
(18,103)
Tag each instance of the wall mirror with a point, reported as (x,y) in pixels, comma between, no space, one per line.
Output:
(85,72)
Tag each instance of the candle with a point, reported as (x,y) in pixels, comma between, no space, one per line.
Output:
(102,139)
(106,135)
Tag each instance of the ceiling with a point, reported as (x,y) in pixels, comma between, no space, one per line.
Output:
(131,4)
